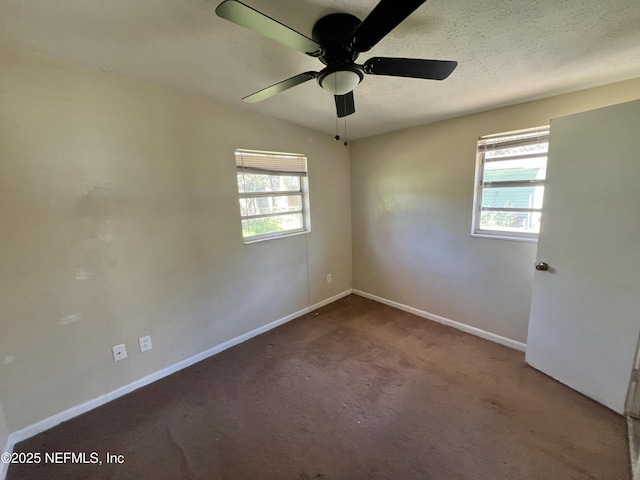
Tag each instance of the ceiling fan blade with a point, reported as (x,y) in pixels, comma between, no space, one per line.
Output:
(410,67)
(280,87)
(345,104)
(245,16)
(386,16)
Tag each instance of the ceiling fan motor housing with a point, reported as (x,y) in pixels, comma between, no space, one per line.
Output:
(335,32)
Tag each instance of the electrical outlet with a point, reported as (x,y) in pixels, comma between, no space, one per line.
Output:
(145,343)
(329,278)
(119,352)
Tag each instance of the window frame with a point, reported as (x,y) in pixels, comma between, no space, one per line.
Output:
(503,140)
(280,164)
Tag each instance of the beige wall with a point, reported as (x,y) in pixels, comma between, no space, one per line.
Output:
(412,197)
(120,218)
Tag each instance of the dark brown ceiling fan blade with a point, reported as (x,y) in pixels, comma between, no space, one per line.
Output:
(410,67)
(245,16)
(280,87)
(345,104)
(386,16)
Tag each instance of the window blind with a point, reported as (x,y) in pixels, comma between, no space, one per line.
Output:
(510,141)
(271,163)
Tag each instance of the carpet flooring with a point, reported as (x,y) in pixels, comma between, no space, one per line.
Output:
(354,390)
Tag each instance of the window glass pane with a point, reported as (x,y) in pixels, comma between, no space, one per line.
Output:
(523,222)
(273,193)
(513,168)
(523,169)
(278,223)
(255,182)
(271,204)
(513,197)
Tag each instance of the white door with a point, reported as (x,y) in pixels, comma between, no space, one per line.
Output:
(585,312)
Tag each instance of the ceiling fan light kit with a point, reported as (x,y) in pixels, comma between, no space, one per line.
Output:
(340,80)
(337,40)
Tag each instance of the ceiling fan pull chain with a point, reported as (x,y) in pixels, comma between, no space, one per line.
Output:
(337,137)
(346,138)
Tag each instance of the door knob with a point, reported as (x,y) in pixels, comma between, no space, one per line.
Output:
(543,267)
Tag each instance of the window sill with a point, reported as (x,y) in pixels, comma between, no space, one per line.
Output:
(274,237)
(505,237)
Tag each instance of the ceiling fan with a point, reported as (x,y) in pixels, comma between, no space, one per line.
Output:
(337,40)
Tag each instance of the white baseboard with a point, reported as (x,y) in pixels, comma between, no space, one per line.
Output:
(4,467)
(72,412)
(507,342)
(634,449)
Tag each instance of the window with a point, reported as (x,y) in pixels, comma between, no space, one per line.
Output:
(510,173)
(273,194)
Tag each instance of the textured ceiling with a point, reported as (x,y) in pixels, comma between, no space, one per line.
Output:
(508,51)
